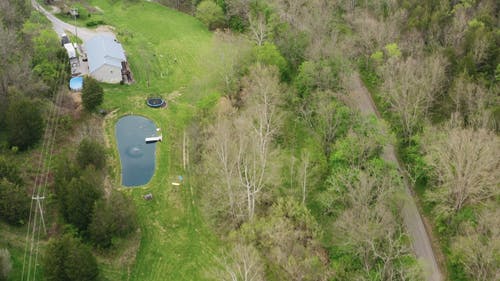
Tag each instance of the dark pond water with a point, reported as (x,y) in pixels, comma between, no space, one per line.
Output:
(136,156)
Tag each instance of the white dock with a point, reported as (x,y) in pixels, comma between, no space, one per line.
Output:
(154,139)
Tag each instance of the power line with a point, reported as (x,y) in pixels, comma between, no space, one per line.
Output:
(38,193)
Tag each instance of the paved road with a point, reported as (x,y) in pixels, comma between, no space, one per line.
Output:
(360,97)
(62,27)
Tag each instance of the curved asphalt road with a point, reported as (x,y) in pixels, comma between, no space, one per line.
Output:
(360,97)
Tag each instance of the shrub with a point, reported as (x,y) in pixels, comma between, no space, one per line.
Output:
(10,172)
(93,23)
(14,202)
(91,153)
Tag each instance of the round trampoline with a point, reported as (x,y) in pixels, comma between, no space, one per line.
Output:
(76,83)
(156,102)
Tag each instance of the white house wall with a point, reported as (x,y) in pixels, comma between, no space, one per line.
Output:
(108,74)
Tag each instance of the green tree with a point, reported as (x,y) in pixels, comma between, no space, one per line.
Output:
(10,171)
(113,217)
(25,123)
(288,238)
(14,202)
(209,13)
(78,197)
(91,153)
(68,259)
(92,94)
(268,54)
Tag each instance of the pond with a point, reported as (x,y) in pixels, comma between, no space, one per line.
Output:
(136,156)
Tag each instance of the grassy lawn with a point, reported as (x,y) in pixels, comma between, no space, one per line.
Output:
(172,51)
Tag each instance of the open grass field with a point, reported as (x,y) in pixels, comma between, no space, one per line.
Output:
(170,55)
(173,55)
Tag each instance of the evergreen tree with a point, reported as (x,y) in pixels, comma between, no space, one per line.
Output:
(24,122)
(92,94)
(113,217)
(68,259)
(78,197)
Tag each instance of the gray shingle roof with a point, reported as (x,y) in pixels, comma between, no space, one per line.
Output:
(103,49)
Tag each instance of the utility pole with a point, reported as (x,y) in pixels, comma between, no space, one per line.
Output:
(74,11)
(39,205)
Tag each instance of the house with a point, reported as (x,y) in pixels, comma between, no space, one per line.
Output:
(105,56)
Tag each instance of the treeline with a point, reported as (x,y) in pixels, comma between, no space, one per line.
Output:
(32,69)
(296,185)
(90,213)
(29,72)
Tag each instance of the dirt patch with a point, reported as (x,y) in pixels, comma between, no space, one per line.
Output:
(105,29)
(98,9)
(55,10)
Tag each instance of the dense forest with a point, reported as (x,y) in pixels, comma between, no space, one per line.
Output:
(290,168)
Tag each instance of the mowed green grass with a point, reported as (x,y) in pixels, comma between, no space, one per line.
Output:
(173,51)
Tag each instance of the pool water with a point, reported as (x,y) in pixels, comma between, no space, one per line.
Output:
(136,156)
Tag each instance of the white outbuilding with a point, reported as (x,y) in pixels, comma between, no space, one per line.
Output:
(105,56)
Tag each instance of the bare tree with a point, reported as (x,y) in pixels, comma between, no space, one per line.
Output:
(466,163)
(471,101)
(374,33)
(258,25)
(369,227)
(305,159)
(231,52)
(257,127)
(477,248)
(221,147)
(410,87)
(8,47)
(244,264)
(5,264)
(455,35)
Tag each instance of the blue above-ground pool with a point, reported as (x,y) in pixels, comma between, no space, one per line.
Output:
(137,157)
(76,83)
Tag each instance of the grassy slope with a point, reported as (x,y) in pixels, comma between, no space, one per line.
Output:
(172,51)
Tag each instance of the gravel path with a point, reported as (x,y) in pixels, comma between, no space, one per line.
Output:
(360,98)
(62,27)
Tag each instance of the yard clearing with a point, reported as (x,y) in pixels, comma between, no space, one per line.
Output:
(168,52)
